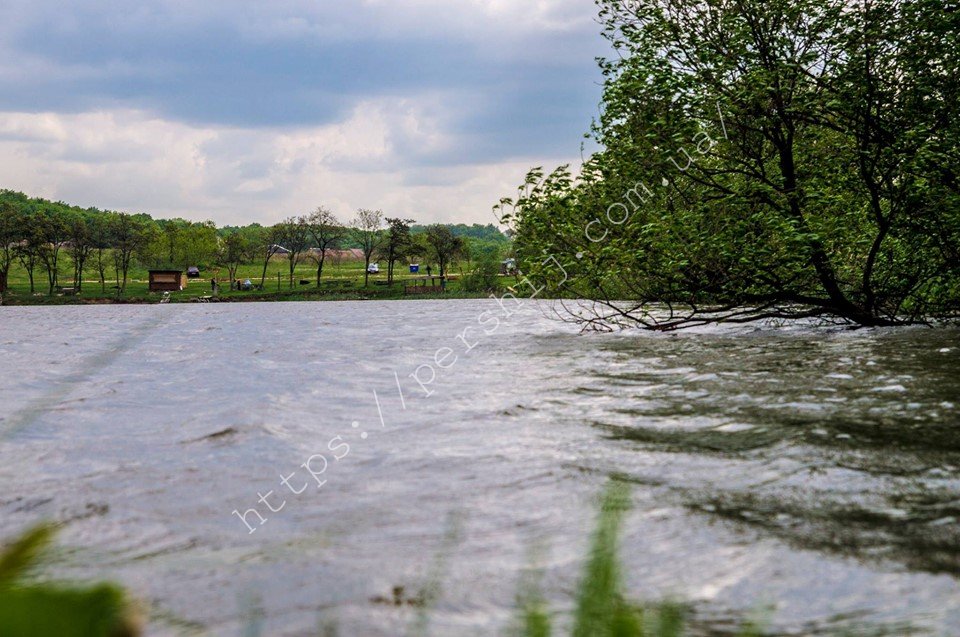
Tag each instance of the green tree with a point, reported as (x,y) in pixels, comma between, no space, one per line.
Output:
(397,243)
(760,159)
(485,274)
(99,229)
(28,249)
(443,246)
(294,235)
(367,231)
(129,235)
(266,244)
(327,232)
(235,250)
(50,235)
(10,235)
(196,244)
(80,247)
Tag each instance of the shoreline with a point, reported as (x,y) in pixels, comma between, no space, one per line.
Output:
(273,297)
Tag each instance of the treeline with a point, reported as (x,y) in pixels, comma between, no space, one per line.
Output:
(761,158)
(48,238)
(477,232)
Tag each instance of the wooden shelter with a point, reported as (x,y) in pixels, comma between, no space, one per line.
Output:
(426,285)
(167,280)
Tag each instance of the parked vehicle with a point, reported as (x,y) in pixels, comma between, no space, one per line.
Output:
(373,268)
(193,272)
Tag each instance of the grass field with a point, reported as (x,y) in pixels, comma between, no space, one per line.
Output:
(342,281)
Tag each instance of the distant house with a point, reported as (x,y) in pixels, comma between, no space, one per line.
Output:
(167,280)
(353,254)
(278,249)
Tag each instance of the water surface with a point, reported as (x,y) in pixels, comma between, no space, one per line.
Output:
(810,474)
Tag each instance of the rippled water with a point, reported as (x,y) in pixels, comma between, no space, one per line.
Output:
(812,476)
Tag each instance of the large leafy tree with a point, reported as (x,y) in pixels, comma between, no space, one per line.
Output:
(761,158)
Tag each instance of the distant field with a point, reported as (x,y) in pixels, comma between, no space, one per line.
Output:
(339,281)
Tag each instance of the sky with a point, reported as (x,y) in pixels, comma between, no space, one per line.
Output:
(243,111)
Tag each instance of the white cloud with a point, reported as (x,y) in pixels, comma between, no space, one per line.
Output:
(249,110)
(135,161)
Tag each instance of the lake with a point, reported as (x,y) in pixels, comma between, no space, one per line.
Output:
(290,465)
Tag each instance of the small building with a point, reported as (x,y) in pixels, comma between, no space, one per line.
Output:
(167,280)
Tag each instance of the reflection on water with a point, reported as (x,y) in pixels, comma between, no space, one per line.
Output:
(815,473)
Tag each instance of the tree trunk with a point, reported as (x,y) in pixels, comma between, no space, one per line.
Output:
(319,270)
(263,277)
(818,254)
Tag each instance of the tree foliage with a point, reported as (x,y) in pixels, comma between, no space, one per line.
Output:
(761,158)
(368,233)
(443,246)
(327,233)
(398,243)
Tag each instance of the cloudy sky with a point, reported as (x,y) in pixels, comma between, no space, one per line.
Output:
(253,110)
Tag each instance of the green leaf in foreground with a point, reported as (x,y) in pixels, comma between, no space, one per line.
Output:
(601,610)
(23,553)
(49,610)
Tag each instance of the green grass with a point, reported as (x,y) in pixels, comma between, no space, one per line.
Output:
(340,282)
(602,609)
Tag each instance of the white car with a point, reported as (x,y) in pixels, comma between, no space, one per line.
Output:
(373,268)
